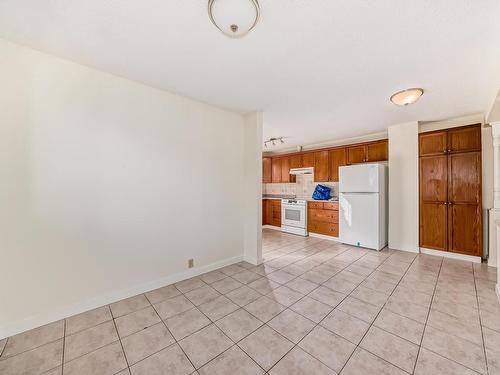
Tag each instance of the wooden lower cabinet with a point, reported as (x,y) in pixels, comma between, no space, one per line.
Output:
(433,225)
(271,212)
(464,228)
(323,218)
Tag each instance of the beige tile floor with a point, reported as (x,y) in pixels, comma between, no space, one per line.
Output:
(314,307)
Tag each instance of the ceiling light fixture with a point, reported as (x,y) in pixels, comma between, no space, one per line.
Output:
(408,96)
(235,18)
(273,141)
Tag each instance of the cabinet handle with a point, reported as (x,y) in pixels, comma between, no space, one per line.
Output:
(445,203)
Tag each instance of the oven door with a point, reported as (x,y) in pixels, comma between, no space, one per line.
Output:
(293,216)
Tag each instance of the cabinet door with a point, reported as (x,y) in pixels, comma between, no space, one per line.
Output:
(295,162)
(433,202)
(464,196)
(266,170)
(377,151)
(276,174)
(464,139)
(308,160)
(356,154)
(321,165)
(269,212)
(433,224)
(433,143)
(264,211)
(276,212)
(337,159)
(285,169)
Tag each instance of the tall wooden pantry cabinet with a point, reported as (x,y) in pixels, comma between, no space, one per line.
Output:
(450,190)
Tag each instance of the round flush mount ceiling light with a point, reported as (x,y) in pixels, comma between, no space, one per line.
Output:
(408,96)
(235,18)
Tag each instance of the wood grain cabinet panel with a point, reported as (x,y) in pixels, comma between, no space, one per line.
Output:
(434,179)
(464,207)
(433,226)
(433,143)
(264,211)
(267,174)
(323,218)
(276,212)
(285,169)
(308,160)
(276,170)
(321,166)
(356,154)
(338,158)
(377,151)
(464,228)
(464,139)
(464,177)
(295,162)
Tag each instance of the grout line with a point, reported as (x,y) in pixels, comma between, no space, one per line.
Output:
(3,349)
(64,347)
(428,313)
(481,323)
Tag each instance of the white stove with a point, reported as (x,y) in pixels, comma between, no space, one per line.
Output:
(294,216)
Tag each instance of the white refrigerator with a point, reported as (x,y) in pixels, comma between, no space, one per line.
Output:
(363,205)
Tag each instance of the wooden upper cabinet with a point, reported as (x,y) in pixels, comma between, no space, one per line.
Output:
(285,169)
(321,166)
(356,154)
(267,174)
(296,161)
(464,139)
(308,160)
(377,151)
(338,158)
(276,170)
(433,143)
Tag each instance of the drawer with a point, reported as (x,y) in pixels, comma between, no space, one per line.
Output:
(276,202)
(327,216)
(331,206)
(328,229)
(315,205)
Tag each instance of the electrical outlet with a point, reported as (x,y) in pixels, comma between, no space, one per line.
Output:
(190,263)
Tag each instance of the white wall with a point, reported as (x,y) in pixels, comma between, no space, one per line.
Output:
(403,187)
(253,188)
(107,187)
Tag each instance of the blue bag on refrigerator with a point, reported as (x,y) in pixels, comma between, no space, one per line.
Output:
(322,193)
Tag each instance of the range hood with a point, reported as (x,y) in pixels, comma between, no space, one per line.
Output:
(296,171)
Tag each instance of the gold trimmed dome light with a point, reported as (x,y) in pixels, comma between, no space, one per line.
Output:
(235,18)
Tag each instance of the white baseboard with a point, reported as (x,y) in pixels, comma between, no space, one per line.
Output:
(252,260)
(15,327)
(267,226)
(324,237)
(447,254)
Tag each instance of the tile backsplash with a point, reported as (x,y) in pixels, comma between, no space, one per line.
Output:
(304,187)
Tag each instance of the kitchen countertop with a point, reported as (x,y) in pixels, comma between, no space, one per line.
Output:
(279,196)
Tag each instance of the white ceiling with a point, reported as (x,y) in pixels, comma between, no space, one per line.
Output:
(319,69)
